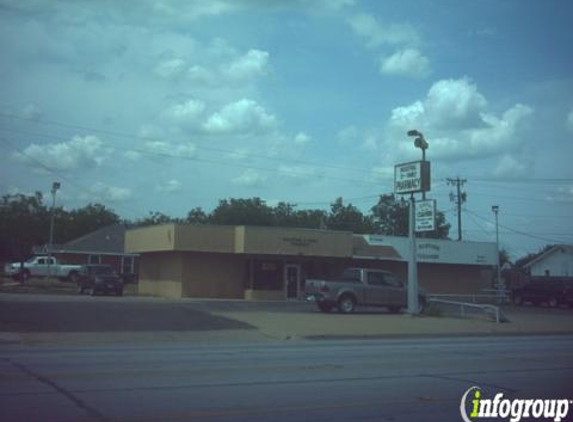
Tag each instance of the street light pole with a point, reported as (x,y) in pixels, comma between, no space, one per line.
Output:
(499,285)
(55,187)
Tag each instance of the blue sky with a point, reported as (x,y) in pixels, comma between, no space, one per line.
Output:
(168,105)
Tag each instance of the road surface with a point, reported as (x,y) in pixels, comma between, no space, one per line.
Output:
(374,380)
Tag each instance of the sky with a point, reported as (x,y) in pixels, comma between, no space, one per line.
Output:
(161,105)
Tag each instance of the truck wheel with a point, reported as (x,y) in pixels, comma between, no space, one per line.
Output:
(346,304)
(73,277)
(518,300)
(553,303)
(324,307)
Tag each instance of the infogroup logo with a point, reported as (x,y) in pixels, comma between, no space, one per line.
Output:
(513,409)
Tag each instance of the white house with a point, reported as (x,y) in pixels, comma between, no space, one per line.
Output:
(556,262)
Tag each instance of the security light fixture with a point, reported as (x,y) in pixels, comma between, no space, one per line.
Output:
(419,142)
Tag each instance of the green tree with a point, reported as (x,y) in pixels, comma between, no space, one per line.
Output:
(81,221)
(348,217)
(390,217)
(197,216)
(155,218)
(253,212)
(24,222)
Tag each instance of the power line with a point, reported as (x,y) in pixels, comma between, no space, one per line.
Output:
(220,163)
(149,138)
(518,231)
(61,176)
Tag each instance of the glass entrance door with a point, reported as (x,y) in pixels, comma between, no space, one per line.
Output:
(292,281)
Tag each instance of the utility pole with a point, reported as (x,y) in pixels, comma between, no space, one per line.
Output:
(499,284)
(55,187)
(459,198)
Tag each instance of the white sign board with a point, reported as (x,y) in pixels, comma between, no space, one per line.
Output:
(412,177)
(439,251)
(425,215)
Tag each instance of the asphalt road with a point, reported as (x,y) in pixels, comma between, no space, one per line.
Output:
(107,314)
(375,380)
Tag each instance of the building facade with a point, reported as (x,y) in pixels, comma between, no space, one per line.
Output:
(267,263)
(103,246)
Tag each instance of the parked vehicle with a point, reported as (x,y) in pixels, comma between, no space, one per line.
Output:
(360,286)
(99,279)
(553,291)
(41,266)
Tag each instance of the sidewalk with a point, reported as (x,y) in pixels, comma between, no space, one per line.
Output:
(308,325)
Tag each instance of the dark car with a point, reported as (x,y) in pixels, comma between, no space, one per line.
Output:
(99,279)
(552,291)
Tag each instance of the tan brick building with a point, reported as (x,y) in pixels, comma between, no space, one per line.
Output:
(269,263)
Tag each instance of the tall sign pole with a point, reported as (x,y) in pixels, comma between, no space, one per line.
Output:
(413,305)
(410,178)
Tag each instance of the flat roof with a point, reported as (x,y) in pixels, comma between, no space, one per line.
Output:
(280,241)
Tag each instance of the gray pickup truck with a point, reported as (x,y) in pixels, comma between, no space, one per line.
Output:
(360,286)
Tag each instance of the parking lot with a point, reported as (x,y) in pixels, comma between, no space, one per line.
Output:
(49,317)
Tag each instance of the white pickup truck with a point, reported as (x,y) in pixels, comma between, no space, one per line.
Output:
(42,266)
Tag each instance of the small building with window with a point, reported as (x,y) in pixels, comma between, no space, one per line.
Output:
(555,262)
(103,246)
(269,263)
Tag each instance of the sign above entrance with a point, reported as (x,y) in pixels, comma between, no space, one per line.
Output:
(425,215)
(412,177)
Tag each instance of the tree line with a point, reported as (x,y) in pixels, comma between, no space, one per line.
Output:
(25,219)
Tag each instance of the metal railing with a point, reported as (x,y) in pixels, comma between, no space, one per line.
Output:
(489,309)
(485,295)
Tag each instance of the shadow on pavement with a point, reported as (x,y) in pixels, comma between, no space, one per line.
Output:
(107,316)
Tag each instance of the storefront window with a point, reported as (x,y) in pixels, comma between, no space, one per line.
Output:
(268,275)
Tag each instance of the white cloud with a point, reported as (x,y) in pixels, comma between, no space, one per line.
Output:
(408,62)
(170,69)
(376,34)
(569,123)
(201,75)
(147,132)
(454,102)
(382,174)
(562,194)
(101,191)
(31,112)
(457,124)
(299,173)
(450,103)
(252,64)
(185,113)
(170,149)
(250,178)
(242,116)
(511,167)
(239,154)
(80,151)
(348,135)
(169,186)
(370,143)
(132,155)
(301,138)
